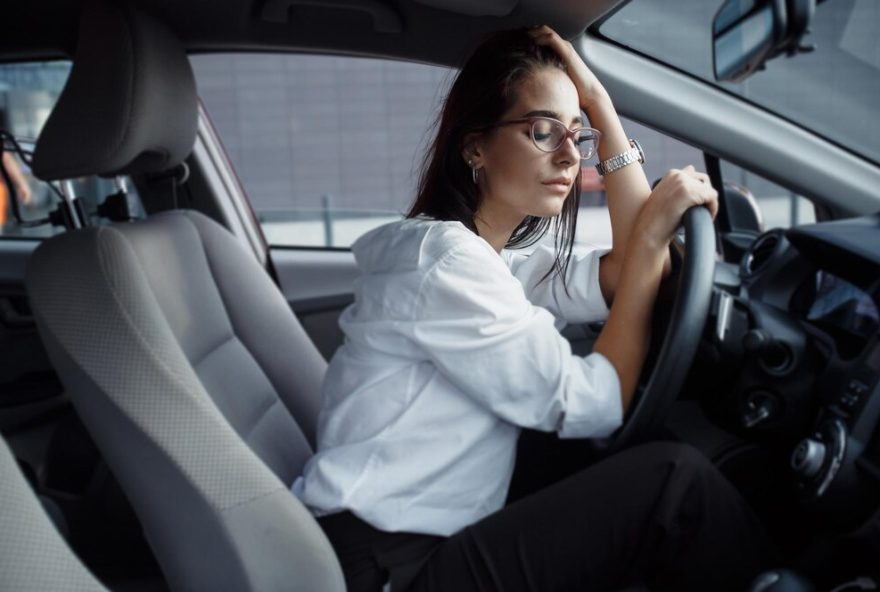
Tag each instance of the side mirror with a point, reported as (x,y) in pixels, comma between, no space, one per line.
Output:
(742,209)
(747,33)
(746,222)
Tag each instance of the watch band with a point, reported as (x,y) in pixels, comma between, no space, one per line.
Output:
(618,161)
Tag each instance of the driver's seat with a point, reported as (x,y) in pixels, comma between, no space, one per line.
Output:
(179,353)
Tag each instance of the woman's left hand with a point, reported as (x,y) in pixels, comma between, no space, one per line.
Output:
(589,89)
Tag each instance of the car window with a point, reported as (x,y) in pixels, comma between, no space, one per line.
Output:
(28,92)
(326,147)
(776,206)
(662,153)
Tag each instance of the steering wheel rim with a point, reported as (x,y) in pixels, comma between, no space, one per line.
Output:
(689,312)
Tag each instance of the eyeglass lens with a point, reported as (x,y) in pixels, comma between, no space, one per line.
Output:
(549,135)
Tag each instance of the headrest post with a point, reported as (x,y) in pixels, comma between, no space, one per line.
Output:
(71,212)
(67,190)
(70,204)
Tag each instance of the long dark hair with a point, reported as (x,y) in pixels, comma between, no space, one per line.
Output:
(482,92)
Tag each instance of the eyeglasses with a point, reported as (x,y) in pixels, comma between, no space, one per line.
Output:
(548,134)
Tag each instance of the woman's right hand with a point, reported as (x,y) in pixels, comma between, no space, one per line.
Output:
(677,191)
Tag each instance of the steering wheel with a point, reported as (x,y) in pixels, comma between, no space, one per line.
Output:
(654,396)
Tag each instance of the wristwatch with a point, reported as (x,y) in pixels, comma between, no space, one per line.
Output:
(618,161)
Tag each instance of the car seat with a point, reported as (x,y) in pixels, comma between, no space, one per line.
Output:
(33,555)
(178,352)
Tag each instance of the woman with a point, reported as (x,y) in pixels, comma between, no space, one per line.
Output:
(453,346)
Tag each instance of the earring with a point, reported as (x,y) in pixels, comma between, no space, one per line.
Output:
(473,171)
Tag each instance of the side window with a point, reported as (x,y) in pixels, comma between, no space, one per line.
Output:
(329,147)
(760,204)
(661,154)
(28,92)
(326,147)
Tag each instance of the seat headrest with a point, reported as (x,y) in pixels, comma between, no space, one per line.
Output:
(129,105)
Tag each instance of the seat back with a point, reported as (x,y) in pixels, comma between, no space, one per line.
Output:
(33,556)
(179,353)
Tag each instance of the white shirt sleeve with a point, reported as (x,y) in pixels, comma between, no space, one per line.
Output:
(581,303)
(476,325)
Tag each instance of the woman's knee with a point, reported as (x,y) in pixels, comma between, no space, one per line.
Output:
(677,469)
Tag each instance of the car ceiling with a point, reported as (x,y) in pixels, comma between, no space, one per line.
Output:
(434,31)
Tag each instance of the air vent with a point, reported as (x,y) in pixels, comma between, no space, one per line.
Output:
(760,253)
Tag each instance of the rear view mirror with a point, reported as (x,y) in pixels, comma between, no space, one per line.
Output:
(742,209)
(747,33)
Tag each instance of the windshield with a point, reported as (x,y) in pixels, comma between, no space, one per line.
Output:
(832,91)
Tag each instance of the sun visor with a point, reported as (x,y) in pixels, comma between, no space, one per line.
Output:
(129,105)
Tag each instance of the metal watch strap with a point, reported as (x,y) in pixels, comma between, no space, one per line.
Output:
(618,161)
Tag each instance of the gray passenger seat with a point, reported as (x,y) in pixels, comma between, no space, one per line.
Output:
(180,355)
(33,555)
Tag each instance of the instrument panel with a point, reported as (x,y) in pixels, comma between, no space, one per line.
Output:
(798,350)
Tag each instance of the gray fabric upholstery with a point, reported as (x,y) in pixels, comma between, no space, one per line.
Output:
(194,377)
(179,353)
(129,105)
(33,556)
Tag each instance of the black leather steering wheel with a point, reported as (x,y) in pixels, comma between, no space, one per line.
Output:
(654,396)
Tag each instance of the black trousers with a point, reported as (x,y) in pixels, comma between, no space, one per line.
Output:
(658,515)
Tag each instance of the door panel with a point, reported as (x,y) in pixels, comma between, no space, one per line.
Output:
(318,285)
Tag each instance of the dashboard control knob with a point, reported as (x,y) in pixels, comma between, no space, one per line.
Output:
(808,457)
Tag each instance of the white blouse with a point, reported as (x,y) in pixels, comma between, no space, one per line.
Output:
(450,349)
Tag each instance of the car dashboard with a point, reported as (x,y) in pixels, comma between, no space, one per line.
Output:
(793,352)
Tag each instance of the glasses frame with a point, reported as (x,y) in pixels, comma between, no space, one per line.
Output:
(569,133)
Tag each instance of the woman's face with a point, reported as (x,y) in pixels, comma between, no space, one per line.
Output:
(516,179)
